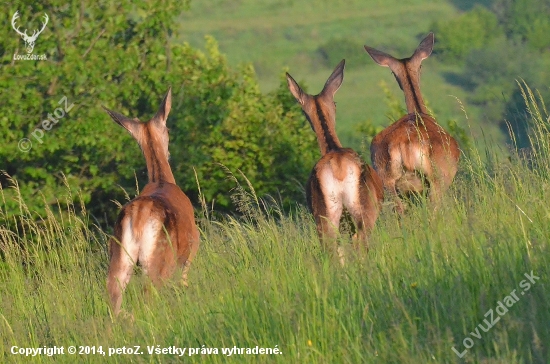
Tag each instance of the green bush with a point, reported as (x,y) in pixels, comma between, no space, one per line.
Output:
(498,47)
(526,20)
(226,123)
(492,74)
(472,30)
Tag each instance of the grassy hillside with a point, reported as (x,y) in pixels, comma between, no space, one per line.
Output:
(428,284)
(277,34)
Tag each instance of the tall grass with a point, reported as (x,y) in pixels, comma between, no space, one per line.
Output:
(262,280)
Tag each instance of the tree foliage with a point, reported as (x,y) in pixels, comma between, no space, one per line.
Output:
(232,124)
(472,30)
(498,46)
(122,55)
(526,20)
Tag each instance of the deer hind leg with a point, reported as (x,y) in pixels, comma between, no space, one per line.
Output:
(389,175)
(328,222)
(364,211)
(442,179)
(435,193)
(124,255)
(152,255)
(438,185)
(189,260)
(391,190)
(326,209)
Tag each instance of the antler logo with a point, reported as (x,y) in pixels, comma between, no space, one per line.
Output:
(29,40)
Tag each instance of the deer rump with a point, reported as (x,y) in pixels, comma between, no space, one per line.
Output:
(150,231)
(341,179)
(415,151)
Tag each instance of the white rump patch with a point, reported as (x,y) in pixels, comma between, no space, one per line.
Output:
(130,251)
(339,193)
(148,241)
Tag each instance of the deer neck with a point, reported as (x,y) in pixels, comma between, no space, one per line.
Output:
(410,84)
(158,168)
(324,127)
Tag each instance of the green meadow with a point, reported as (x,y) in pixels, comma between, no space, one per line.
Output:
(286,34)
(432,281)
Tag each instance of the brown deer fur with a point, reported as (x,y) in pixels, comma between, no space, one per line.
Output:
(340,178)
(157,228)
(415,150)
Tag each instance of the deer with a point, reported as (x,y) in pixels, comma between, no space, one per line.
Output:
(29,40)
(414,155)
(156,229)
(340,178)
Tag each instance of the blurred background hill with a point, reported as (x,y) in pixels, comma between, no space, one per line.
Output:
(481,48)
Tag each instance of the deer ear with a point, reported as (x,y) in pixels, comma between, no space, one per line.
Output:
(131,125)
(164,109)
(383,59)
(335,80)
(296,90)
(424,49)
